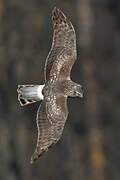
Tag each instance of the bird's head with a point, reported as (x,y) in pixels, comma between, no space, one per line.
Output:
(75,90)
(78,91)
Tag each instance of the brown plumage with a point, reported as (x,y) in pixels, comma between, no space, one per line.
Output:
(63,52)
(52,113)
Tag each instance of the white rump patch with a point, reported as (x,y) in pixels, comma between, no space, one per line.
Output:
(39,91)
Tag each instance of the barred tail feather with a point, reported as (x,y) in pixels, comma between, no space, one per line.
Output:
(28,94)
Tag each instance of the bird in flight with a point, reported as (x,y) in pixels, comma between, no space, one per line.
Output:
(52,112)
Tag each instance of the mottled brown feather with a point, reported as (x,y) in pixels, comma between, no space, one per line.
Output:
(63,51)
(51,117)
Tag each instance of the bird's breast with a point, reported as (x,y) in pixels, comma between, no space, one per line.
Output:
(59,88)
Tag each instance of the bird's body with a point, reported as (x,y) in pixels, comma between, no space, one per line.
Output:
(53,111)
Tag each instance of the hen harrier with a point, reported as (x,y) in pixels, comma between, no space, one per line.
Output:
(52,113)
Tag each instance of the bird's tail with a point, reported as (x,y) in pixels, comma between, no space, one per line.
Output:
(28,94)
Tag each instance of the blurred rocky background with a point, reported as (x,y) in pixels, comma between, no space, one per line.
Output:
(90,146)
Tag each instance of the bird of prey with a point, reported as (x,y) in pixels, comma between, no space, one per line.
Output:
(58,86)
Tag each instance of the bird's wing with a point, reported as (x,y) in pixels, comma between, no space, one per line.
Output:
(63,51)
(51,117)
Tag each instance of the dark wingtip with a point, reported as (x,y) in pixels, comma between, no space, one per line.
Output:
(58,17)
(34,157)
(54,13)
(57,14)
(54,10)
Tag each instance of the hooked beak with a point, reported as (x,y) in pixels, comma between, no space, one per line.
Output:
(80,94)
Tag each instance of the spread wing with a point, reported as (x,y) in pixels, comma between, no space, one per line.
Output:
(63,52)
(51,117)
